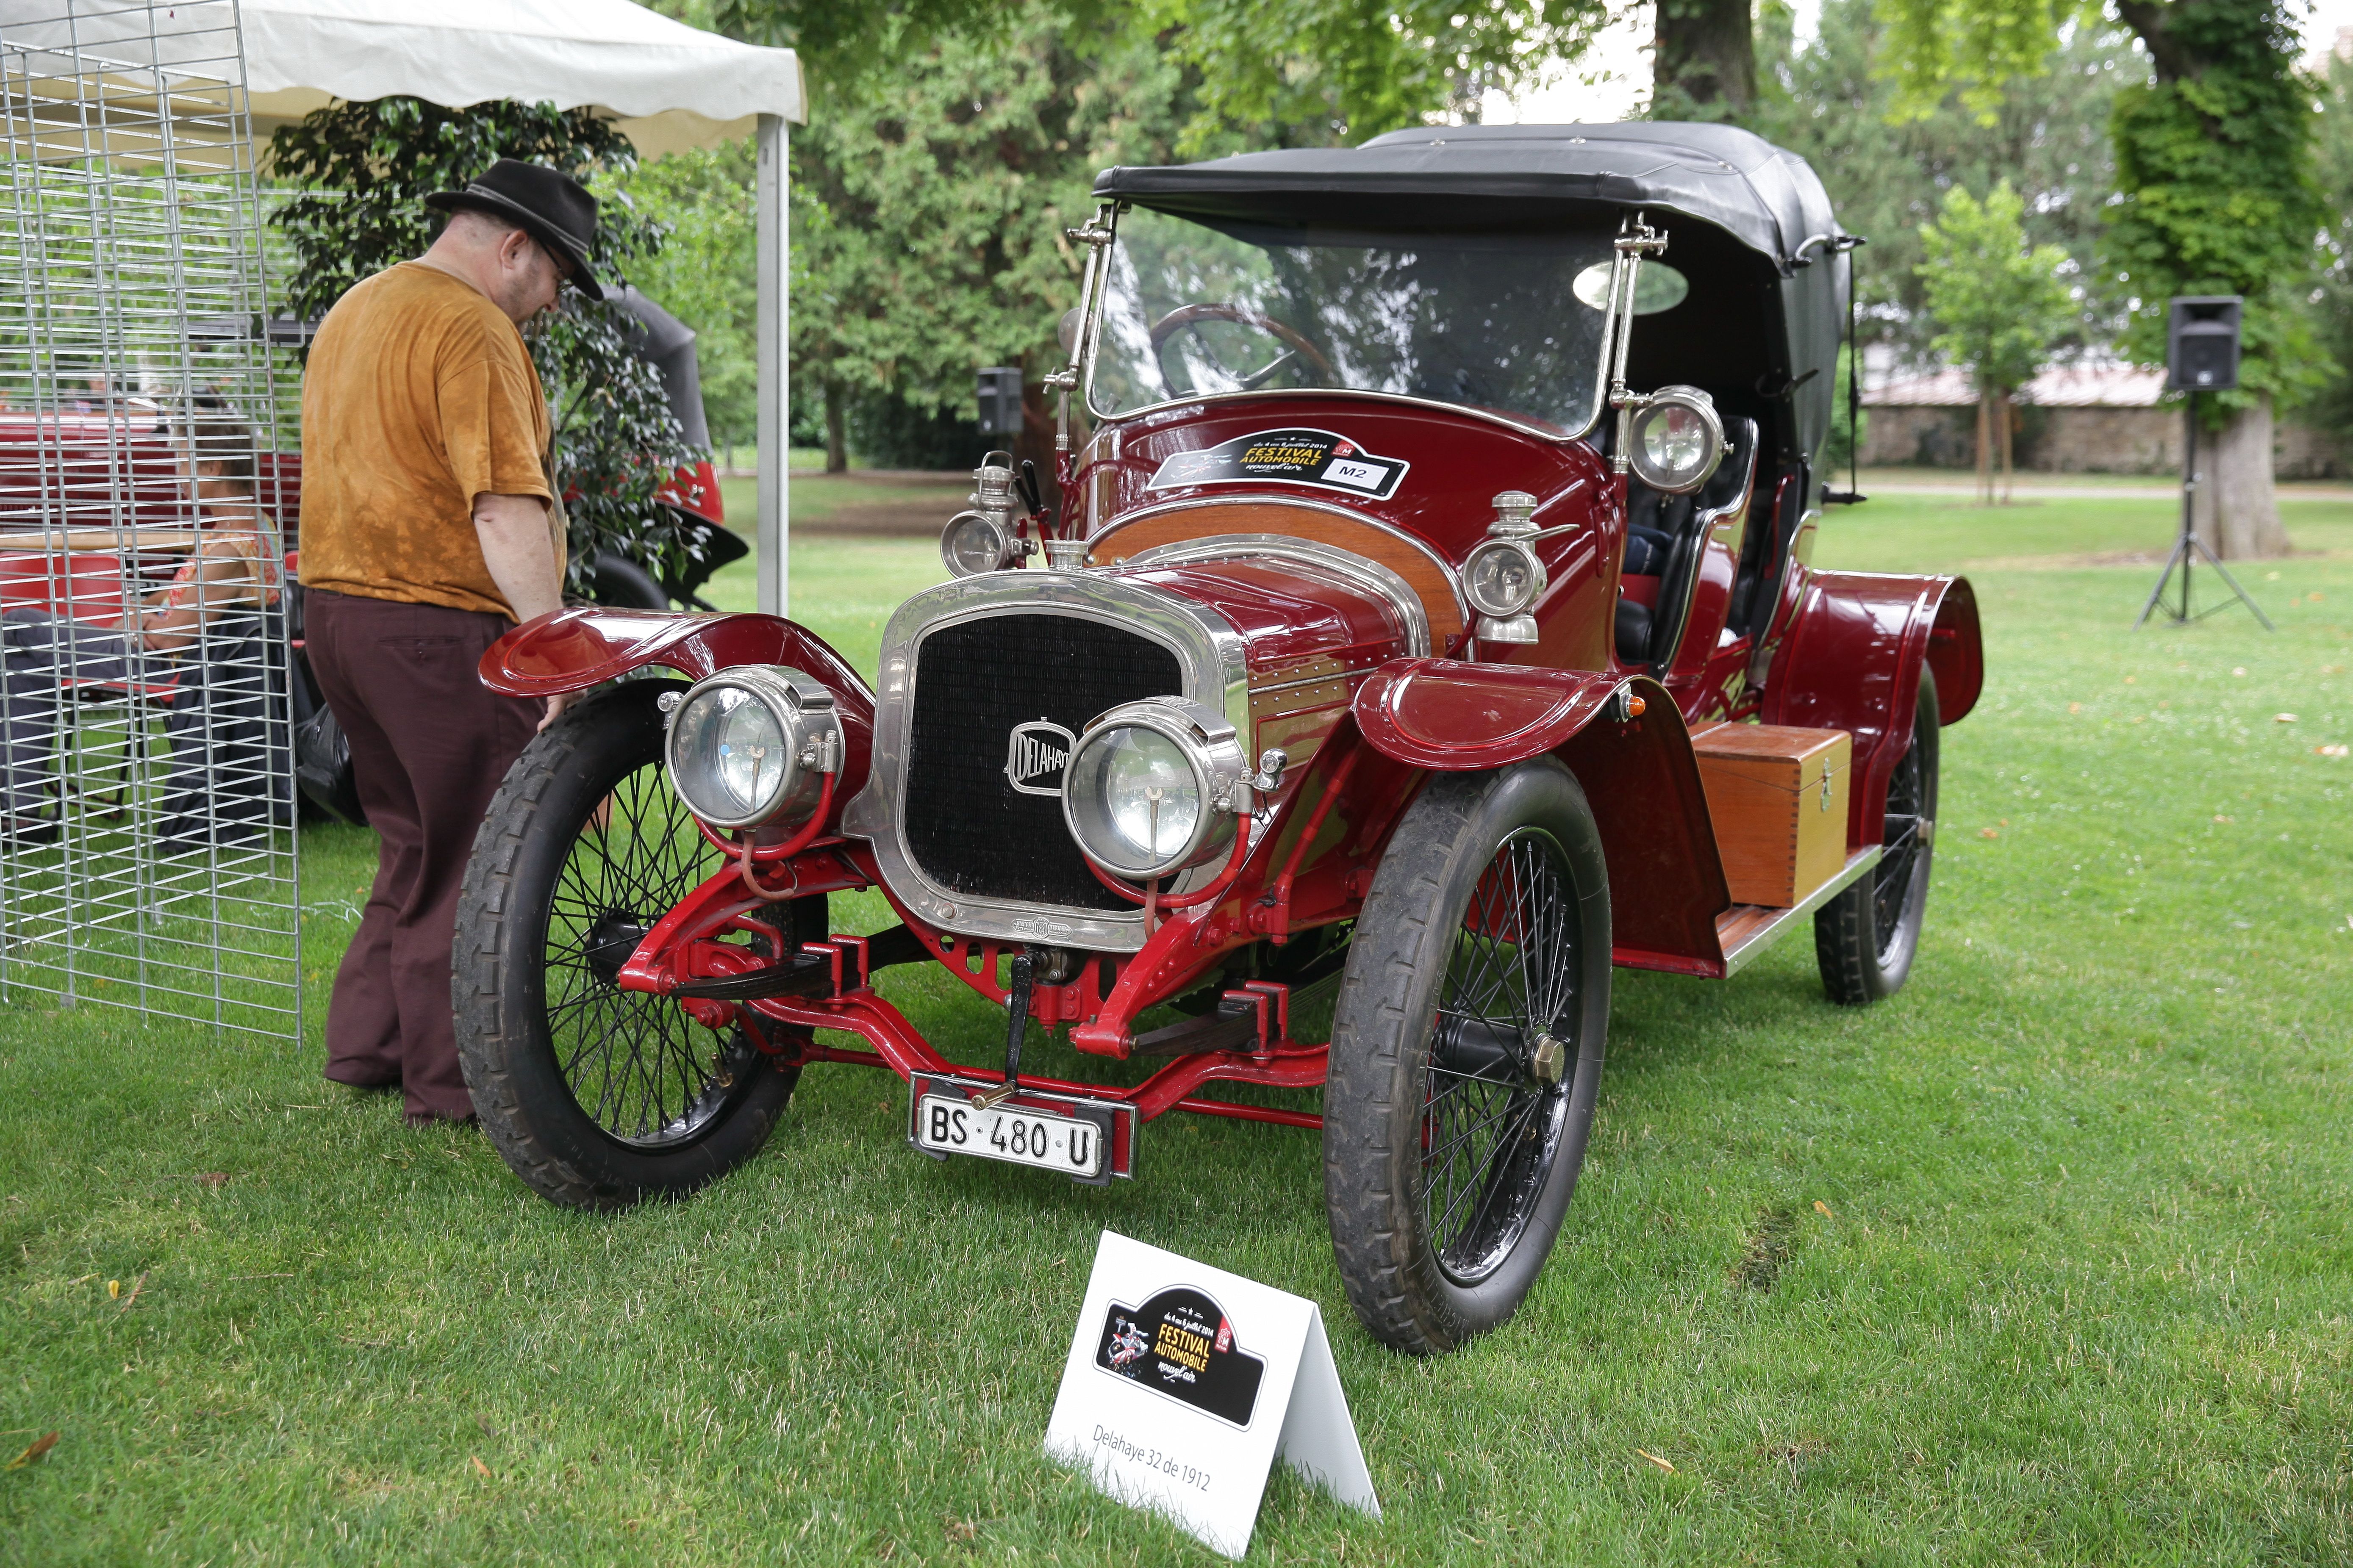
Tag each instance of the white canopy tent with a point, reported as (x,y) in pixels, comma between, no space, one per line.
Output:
(669,85)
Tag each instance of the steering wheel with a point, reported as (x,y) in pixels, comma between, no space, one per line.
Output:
(1190,318)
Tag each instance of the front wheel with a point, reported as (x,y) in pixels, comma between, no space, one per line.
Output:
(1466,1053)
(599,1097)
(1866,938)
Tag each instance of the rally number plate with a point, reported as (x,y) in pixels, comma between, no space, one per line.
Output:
(952,1124)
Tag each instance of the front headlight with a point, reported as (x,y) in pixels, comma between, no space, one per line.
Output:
(1154,788)
(750,746)
(1675,440)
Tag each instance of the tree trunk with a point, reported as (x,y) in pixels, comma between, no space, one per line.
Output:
(1985,448)
(1704,59)
(2008,417)
(2244,504)
(836,445)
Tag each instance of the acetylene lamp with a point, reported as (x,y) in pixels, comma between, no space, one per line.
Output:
(1503,575)
(983,538)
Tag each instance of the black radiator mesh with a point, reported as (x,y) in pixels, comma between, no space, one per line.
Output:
(968,829)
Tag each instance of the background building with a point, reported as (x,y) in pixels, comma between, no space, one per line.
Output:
(2094,418)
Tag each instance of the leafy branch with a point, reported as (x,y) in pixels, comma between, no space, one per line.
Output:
(365,170)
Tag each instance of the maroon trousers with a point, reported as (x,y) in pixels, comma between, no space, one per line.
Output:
(429,744)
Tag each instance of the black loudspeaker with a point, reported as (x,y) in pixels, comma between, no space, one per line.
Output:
(2201,344)
(1000,401)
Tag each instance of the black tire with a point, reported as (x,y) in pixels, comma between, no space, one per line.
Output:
(1449,1160)
(622,582)
(1866,938)
(605,1096)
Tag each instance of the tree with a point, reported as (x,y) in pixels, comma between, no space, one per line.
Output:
(1999,303)
(1703,60)
(1288,73)
(1265,73)
(2215,194)
(365,169)
(2330,405)
(846,46)
(705,271)
(929,237)
(930,199)
(1832,101)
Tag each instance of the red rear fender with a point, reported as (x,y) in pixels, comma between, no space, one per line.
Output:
(1851,662)
(571,650)
(1666,880)
(1957,653)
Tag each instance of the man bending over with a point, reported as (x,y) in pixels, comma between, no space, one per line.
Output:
(430,524)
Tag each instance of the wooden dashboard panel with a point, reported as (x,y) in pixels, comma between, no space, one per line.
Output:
(1420,568)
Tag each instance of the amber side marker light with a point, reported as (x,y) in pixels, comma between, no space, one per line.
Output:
(1635,707)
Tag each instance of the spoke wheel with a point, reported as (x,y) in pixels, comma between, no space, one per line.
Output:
(599,1097)
(1494,1099)
(1466,1053)
(640,1068)
(1866,938)
(1903,851)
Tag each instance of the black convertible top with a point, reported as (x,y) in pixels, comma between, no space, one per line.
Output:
(1761,327)
(1433,177)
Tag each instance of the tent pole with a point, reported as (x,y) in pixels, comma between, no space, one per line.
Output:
(773,531)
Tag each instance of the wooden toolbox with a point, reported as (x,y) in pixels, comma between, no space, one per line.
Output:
(1778,797)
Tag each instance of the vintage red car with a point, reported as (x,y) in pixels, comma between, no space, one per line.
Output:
(1435,517)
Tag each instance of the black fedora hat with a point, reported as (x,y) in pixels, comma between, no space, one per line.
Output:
(553,208)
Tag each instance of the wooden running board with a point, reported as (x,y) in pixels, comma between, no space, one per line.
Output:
(1745,930)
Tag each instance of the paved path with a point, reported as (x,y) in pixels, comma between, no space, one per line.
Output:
(2086,493)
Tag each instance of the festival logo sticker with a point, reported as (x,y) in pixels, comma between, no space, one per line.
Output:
(1181,1345)
(1316,457)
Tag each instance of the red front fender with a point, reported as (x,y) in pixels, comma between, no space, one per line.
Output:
(1666,879)
(571,650)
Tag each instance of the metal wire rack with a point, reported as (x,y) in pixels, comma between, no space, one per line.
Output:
(148,857)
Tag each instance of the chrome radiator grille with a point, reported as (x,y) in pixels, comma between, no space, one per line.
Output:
(966,827)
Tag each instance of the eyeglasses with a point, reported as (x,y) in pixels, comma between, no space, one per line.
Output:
(557,259)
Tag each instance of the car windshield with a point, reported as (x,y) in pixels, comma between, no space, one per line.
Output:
(1488,321)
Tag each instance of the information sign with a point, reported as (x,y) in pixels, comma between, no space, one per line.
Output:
(1185,1382)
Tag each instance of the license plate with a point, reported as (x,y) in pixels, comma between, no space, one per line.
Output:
(1019,1135)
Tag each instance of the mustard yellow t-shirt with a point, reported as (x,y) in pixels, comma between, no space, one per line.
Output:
(419,396)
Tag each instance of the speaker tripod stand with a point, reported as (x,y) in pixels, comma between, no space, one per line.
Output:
(2190,547)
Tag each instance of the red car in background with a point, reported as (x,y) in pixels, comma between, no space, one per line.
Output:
(95,505)
(1426,626)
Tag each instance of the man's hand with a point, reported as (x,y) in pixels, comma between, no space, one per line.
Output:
(520,551)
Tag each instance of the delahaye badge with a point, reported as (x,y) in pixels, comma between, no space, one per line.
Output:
(1038,751)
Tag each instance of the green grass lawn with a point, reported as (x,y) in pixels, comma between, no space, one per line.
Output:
(2043,1261)
(819,498)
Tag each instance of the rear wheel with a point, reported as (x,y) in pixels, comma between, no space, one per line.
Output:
(1466,1053)
(599,1097)
(1865,938)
